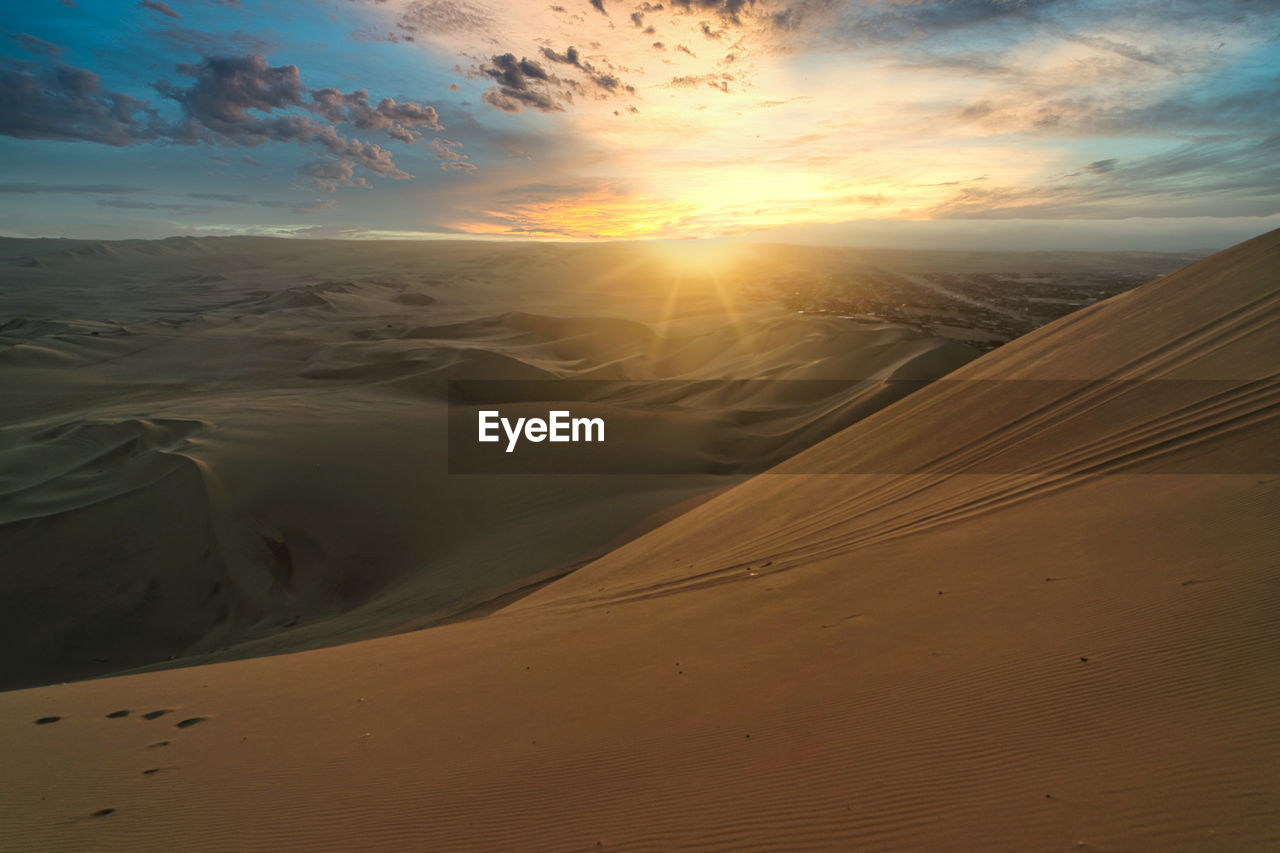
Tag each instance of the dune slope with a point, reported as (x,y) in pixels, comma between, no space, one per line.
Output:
(1032,608)
(216,448)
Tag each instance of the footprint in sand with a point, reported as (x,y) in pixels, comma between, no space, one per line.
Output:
(117,714)
(159,744)
(103,812)
(44,721)
(188,723)
(151,715)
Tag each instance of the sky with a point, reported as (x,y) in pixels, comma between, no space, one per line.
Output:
(1148,124)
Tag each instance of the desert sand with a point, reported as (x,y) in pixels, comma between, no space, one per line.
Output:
(1028,607)
(213,449)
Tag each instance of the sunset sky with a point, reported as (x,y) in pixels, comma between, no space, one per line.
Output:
(807,119)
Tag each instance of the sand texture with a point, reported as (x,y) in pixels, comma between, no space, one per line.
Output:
(1030,607)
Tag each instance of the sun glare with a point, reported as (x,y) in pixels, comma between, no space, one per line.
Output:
(713,259)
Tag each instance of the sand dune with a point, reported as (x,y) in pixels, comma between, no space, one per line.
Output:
(214,448)
(979,618)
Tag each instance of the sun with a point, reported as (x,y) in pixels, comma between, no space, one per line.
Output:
(713,259)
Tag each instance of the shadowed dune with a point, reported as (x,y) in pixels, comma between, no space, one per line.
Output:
(1064,637)
(241,443)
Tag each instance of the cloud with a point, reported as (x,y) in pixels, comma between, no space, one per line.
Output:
(160,8)
(301,207)
(1225,178)
(36,46)
(68,104)
(692,81)
(522,83)
(135,204)
(450,158)
(598,5)
(227,89)
(728,10)
(232,100)
(1128,51)
(244,101)
(328,175)
(70,189)
(234,198)
(443,17)
(890,23)
(185,40)
(402,121)
(600,79)
(1101,113)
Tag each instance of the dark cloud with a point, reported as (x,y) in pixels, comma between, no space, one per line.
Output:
(521,83)
(608,83)
(1101,167)
(160,8)
(569,57)
(244,101)
(36,46)
(70,189)
(66,103)
(598,5)
(789,18)
(402,121)
(728,10)
(232,100)
(228,89)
